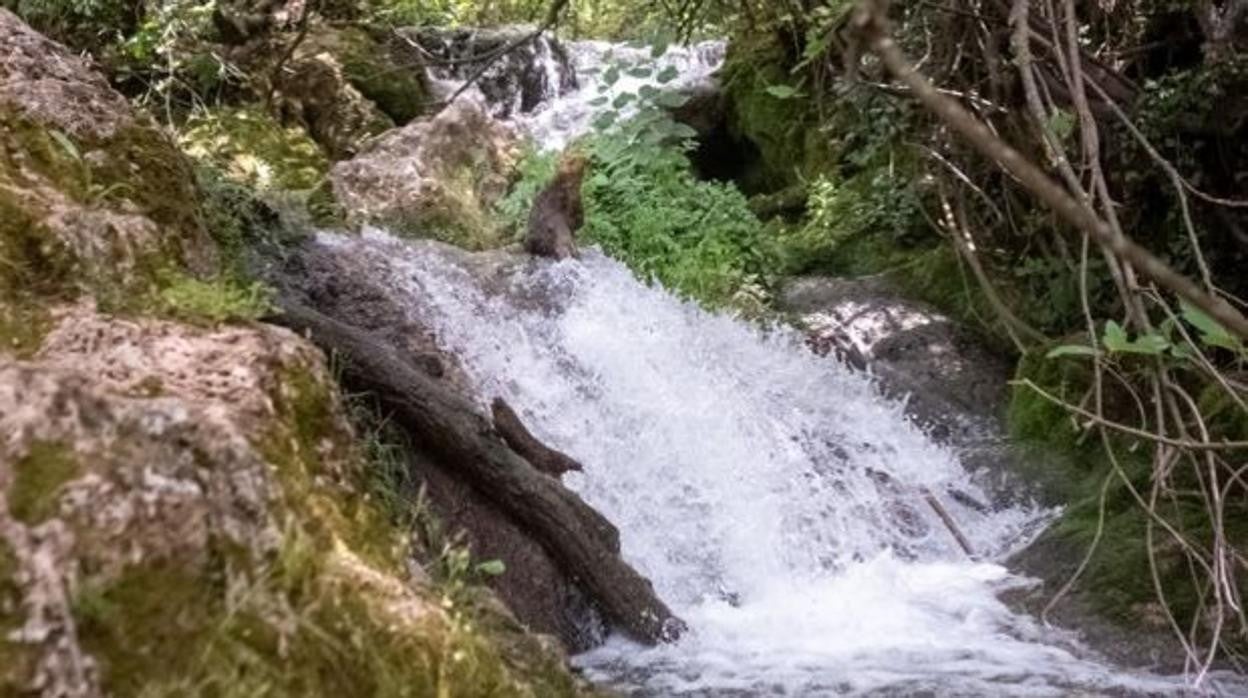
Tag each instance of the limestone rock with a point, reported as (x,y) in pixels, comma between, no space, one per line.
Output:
(314,89)
(94,196)
(437,176)
(183,508)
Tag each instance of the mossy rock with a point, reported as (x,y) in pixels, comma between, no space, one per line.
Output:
(398,89)
(208,508)
(781,129)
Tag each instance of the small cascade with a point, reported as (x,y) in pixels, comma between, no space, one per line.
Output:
(775,498)
(552,90)
(522,81)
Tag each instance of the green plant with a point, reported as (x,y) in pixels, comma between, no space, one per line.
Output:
(644,206)
(214,301)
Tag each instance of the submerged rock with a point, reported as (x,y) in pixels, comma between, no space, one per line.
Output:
(436,177)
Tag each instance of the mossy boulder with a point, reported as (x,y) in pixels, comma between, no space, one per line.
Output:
(438,177)
(94,197)
(385,74)
(789,144)
(314,89)
(184,511)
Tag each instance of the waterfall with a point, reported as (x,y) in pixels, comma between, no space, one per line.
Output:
(772,496)
(547,88)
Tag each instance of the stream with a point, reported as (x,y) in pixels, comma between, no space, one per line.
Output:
(775,498)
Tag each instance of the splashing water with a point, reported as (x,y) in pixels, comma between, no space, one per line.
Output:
(554,94)
(772,496)
(565,116)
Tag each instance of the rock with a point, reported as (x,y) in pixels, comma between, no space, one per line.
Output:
(185,507)
(438,176)
(384,71)
(515,84)
(94,197)
(240,21)
(949,375)
(313,89)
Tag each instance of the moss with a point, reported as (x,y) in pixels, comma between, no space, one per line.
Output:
(149,623)
(38,477)
(397,90)
(253,149)
(780,128)
(214,301)
(23,327)
(17,660)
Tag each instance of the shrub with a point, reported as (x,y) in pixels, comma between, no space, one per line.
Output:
(645,207)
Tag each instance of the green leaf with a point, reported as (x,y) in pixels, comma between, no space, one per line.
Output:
(1211,331)
(612,75)
(623,100)
(1116,340)
(492,568)
(605,120)
(598,101)
(659,48)
(667,75)
(66,144)
(671,100)
(648,91)
(641,72)
(782,91)
(1070,350)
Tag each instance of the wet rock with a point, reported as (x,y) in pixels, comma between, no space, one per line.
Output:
(948,375)
(515,84)
(182,507)
(436,177)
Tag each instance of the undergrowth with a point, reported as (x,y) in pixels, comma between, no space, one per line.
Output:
(645,207)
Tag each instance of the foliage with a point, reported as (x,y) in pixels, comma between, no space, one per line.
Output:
(214,301)
(644,206)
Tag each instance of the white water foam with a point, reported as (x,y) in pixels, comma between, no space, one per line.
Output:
(772,496)
(562,118)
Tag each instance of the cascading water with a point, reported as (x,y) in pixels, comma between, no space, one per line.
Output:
(772,496)
(554,90)
(775,498)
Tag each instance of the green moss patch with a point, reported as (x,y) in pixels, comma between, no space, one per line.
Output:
(250,147)
(38,477)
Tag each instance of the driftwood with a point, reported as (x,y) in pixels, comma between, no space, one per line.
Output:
(580,539)
(546,459)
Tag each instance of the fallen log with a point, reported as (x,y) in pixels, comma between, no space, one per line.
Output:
(522,441)
(580,539)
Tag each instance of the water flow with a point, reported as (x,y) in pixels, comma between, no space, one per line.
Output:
(551,91)
(772,496)
(564,116)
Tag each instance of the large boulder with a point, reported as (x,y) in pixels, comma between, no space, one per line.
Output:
(382,69)
(94,196)
(313,89)
(436,177)
(186,511)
